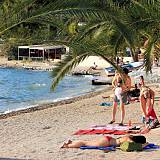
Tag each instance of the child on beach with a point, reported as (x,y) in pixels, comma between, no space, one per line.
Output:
(105,141)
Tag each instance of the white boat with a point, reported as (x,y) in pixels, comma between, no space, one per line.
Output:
(110,71)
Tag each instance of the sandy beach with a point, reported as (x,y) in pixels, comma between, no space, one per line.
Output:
(38,135)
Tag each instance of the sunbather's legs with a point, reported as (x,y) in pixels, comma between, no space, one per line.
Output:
(97,142)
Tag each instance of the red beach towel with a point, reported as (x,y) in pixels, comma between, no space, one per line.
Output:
(98,131)
(151,113)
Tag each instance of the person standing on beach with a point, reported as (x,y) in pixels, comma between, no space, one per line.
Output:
(121,95)
(141,83)
(147,96)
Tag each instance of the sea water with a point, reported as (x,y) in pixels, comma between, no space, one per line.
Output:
(20,88)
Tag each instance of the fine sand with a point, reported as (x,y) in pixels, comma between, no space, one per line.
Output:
(38,135)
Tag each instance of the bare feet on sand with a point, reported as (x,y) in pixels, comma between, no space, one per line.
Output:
(65,144)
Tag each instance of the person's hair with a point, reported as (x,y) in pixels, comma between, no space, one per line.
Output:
(142,77)
(136,85)
(138,139)
(120,81)
(125,70)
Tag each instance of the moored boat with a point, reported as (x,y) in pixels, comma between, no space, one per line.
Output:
(98,80)
(110,71)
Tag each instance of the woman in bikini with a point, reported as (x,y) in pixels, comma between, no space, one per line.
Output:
(123,98)
(105,141)
(147,96)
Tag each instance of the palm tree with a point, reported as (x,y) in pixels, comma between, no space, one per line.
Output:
(110,26)
(129,25)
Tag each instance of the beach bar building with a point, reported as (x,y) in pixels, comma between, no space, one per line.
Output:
(41,52)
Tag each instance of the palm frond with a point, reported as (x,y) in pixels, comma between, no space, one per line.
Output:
(64,67)
(149,53)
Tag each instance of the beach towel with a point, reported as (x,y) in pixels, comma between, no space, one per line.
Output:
(151,113)
(112,148)
(106,104)
(98,131)
(152,118)
(151,146)
(110,127)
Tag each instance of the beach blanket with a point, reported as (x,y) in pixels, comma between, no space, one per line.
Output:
(151,146)
(151,113)
(111,127)
(106,104)
(100,131)
(112,148)
(152,118)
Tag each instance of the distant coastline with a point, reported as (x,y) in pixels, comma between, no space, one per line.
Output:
(34,65)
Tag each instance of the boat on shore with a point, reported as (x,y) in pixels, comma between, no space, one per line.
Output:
(110,71)
(98,80)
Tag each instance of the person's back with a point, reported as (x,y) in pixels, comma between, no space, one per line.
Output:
(126,80)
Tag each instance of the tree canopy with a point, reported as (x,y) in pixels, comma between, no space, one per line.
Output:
(109,26)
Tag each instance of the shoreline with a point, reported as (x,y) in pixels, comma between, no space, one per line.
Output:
(34,65)
(52,104)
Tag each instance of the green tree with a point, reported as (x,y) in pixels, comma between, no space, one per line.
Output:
(110,26)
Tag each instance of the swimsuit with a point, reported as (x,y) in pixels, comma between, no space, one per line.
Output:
(108,138)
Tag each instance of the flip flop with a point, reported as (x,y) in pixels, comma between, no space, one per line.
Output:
(111,122)
(121,124)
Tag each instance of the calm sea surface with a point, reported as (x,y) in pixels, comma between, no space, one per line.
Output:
(21,88)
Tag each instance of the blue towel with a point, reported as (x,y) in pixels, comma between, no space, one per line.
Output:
(106,104)
(112,148)
(156,97)
(151,146)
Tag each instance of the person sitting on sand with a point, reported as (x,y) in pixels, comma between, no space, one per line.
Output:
(94,67)
(147,96)
(134,93)
(105,141)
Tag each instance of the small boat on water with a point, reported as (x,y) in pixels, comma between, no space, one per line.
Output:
(98,80)
(110,71)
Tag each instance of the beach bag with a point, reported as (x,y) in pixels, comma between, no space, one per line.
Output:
(131,146)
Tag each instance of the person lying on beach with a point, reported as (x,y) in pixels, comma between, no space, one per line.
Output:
(147,96)
(105,141)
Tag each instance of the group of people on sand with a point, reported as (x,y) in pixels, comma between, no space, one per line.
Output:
(123,94)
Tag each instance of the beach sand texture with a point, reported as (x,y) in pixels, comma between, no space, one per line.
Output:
(38,135)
